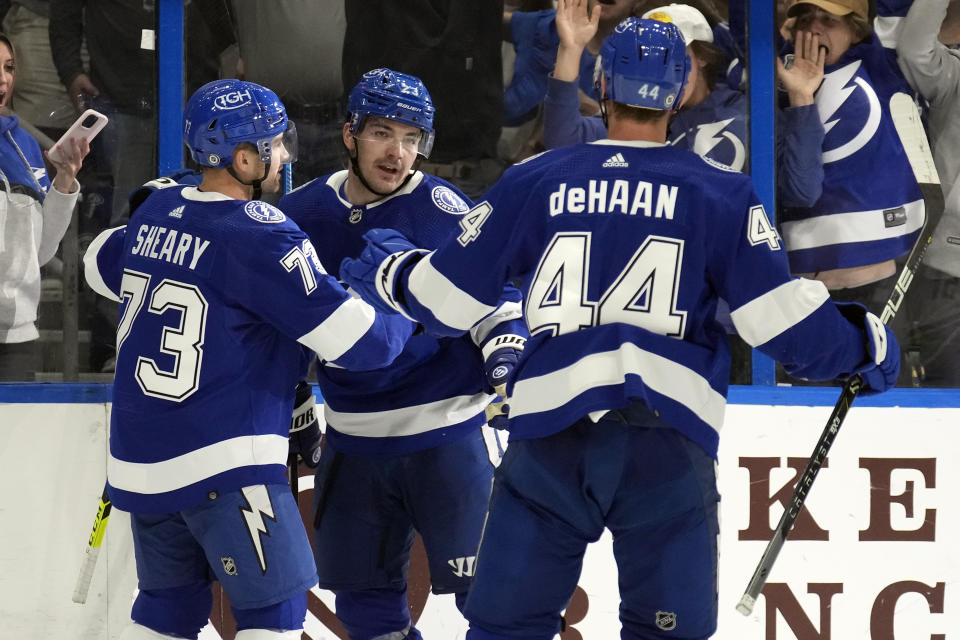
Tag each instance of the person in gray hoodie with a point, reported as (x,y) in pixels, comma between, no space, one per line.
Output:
(928,54)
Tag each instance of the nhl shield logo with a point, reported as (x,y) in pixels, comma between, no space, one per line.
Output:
(666,620)
(229,566)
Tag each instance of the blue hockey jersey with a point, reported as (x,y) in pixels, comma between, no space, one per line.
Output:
(435,390)
(219,301)
(871,208)
(623,249)
(715,128)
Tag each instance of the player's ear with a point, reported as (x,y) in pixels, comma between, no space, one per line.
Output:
(242,157)
(348,140)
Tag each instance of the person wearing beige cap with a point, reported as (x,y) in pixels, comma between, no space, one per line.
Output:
(852,207)
(840,24)
(711,122)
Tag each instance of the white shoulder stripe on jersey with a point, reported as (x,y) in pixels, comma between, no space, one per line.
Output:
(769,315)
(91,271)
(169,475)
(854,226)
(451,305)
(407,421)
(504,313)
(341,330)
(660,374)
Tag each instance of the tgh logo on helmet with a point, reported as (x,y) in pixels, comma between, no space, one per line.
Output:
(233,100)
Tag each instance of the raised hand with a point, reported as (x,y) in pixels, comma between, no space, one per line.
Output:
(803,78)
(576,28)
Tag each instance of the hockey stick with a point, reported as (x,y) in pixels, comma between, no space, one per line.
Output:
(906,119)
(93,549)
(293,474)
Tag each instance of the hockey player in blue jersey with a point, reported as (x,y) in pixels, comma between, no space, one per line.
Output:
(222,298)
(713,119)
(622,248)
(404,446)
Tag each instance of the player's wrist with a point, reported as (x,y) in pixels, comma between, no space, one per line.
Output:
(388,274)
(506,341)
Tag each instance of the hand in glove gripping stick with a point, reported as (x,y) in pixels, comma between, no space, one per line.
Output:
(499,367)
(305,435)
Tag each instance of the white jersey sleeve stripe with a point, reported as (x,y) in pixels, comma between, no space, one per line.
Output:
(341,330)
(448,303)
(408,421)
(769,315)
(506,311)
(662,375)
(91,270)
(175,473)
(856,226)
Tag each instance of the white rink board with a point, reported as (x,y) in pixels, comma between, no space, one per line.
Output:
(52,461)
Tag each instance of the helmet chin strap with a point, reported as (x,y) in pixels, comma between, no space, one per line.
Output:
(355,167)
(255,183)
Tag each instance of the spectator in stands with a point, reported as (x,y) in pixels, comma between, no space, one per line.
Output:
(33,219)
(536,38)
(40,96)
(931,62)
(846,217)
(120,83)
(712,122)
(305,72)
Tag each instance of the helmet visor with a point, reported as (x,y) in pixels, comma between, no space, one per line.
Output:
(281,148)
(412,140)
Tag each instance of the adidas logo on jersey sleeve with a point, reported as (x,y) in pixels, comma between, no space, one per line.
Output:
(616,160)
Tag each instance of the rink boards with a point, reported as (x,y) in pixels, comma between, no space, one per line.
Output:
(874,557)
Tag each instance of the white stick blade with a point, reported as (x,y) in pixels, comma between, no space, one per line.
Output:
(913,137)
(86,575)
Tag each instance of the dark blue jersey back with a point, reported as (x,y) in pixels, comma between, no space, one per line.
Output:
(623,249)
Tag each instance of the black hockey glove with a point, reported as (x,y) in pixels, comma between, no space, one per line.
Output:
(305,432)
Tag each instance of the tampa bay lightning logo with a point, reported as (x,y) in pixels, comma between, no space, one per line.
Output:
(849,110)
(715,140)
(446,199)
(263,212)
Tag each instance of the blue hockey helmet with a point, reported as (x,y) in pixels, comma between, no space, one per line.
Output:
(643,63)
(396,96)
(223,113)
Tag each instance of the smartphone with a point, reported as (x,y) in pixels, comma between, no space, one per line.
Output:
(88,125)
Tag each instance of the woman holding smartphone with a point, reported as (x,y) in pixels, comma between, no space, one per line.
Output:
(35,212)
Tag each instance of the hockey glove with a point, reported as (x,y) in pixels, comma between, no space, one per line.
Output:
(498,412)
(498,368)
(880,371)
(305,435)
(373,274)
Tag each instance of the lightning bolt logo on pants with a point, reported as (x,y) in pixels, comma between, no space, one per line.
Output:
(258,499)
